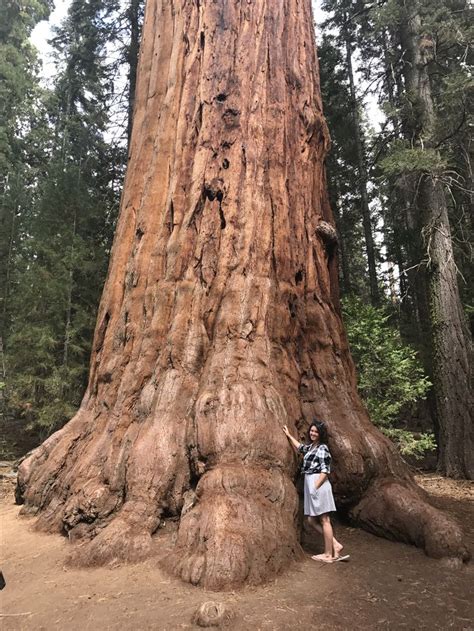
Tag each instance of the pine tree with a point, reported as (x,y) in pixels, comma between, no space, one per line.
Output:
(342,168)
(451,342)
(19,90)
(68,227)
(415,55)
(341,21)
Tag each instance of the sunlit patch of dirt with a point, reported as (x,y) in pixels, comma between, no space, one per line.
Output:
(444,487)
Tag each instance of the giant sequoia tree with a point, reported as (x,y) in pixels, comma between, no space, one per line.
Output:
(219,320)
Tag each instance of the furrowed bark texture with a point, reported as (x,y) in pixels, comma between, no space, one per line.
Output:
(219,320)
(450,338)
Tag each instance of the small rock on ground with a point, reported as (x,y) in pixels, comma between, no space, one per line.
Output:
(212,614)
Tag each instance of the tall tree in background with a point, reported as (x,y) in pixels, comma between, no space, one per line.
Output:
(414,58)
(342,168)
(18,91)
(451,25)
(342,21)
(362,166)
(450,338)
(67,225)
(134,13)
(219,320)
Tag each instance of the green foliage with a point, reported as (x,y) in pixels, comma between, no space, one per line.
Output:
(411,443)
(60,202)
(414,140)
(426,131)
(402,160)
(18,66)
(19,91)
(391,378)
(342,165)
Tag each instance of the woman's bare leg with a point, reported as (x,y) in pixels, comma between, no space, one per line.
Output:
(328,535)
(315,524)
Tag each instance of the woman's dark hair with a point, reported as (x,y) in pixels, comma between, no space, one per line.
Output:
(322,429)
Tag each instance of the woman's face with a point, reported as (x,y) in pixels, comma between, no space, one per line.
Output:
(313,434)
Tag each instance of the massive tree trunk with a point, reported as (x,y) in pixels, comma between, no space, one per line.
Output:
(451,343)
(219,320)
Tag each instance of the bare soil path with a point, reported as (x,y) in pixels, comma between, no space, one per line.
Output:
(385,585)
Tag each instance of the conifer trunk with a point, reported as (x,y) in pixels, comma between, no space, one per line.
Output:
(363,179)
(341,246)
(8,227)
(451,343)
(133,16)
(219,320)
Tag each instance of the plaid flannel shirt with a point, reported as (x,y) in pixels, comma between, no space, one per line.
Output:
(315,460)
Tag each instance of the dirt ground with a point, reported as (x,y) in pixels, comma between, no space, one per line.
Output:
(385,585)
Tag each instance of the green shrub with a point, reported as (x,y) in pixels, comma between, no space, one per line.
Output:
(391,379)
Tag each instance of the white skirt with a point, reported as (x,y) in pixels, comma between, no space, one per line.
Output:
(320,501)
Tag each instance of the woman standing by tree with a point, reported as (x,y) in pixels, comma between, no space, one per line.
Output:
(318,497)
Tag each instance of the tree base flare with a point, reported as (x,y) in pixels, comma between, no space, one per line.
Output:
(242,529)
(117,543)
(239,526)
(400,510)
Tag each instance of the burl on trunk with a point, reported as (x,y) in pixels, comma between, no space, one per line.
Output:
(219,320)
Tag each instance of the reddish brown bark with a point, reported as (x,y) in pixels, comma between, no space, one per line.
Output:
(218,321)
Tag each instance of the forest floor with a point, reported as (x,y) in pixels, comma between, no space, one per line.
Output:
(385,585)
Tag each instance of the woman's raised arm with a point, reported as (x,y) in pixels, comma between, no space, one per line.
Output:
(296,444)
